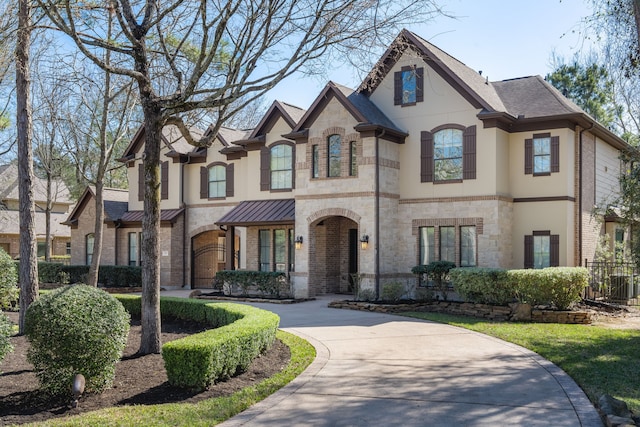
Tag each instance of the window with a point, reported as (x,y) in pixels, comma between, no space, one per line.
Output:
(448,244)
(264,243)
(315,167)
(447,155)
(353,156)
(133,248)
(217,182)
(427,245)
(619,243)
(334,143)
(467,246)
(408,86)
(42,249)
(89,242)
(542,154)
(280,250)
(541,249)
(281,167)
(68,251)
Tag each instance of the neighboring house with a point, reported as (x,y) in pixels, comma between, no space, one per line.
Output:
(427,160)
(10,214)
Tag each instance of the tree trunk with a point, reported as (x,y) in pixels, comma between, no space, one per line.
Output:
(28,274)
(47,215)
(150,340)
(94,269)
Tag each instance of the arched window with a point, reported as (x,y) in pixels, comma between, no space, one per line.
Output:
(89,244)
(217,181)
(447,154)
(334,143)
(281,167)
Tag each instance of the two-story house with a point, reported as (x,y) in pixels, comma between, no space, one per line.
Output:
(426,160)
(60,205)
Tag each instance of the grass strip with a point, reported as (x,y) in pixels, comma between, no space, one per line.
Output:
(600,360)
(205,413)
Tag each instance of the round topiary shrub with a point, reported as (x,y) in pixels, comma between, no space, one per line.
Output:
(76,329)
(8,281)
(5,333)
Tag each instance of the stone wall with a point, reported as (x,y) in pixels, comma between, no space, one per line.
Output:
(514,312)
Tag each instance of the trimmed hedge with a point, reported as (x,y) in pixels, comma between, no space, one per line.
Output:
(484,285)
(109,276)
(273,283)
(242,333)
(559,287)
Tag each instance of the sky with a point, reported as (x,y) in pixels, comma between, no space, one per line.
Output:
(503,38)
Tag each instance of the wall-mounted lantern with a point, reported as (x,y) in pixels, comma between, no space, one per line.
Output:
(298,242)
(364,241)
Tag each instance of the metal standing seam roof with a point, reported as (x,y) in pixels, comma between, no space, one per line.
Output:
(165,215)
(261,212)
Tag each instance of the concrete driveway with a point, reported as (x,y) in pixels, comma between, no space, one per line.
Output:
(382,370)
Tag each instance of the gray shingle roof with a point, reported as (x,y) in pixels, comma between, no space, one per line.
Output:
(367,108)
(533,97)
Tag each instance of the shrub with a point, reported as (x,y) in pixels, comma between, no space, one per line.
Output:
(366,295)
(5,333)
(272,283)
(392,291)
(423,294)
(8,281)
(559,287)
(50,272)
(73,330)
(438,272)
(120,276)
(483,285)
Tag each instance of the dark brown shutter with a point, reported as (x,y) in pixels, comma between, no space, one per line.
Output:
(528,251)
(204,183)
(293,166)
(555,154)
(230,182)
(469,153)
(528,156)
(140,182)
(554,250)
(420,84)
(265,169)
(397,88)
(426,156)
(164,180)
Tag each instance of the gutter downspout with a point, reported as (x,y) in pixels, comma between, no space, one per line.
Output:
(580,179)
(118,224)
(377,215)
(185,246)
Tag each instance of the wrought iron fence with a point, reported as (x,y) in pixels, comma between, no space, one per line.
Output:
(613,281)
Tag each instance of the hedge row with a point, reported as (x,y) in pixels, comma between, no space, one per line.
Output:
(109,276)
(556,286)
(272,283)
(241,334)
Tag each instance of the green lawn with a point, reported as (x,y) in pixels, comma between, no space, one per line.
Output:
(206,413)
(601,360)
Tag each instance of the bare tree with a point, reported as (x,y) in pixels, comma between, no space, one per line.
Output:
(188,55)
(8,26)
(28,274)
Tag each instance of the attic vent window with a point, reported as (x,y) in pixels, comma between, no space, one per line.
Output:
(408,86)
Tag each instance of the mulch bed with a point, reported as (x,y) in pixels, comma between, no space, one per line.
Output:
(139,380)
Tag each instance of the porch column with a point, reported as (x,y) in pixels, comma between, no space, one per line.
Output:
(230,238)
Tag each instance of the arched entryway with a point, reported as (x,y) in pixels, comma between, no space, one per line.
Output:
(333,258)
(208,256)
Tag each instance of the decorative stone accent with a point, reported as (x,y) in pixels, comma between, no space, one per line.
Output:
(615,411)
(513,313)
